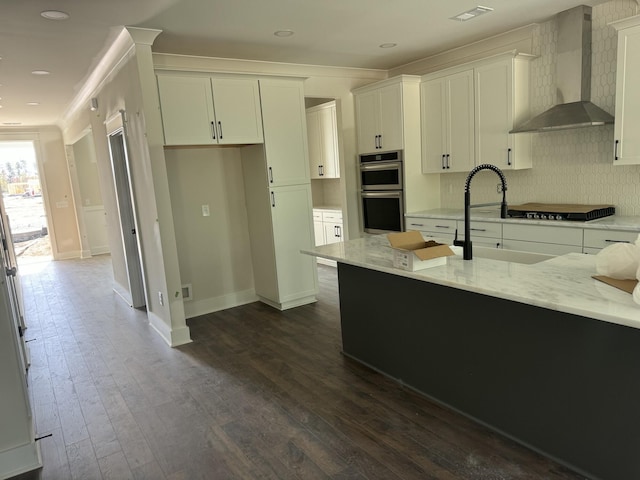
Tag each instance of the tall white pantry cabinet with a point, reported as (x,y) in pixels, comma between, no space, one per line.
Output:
(278,196)
(19,451)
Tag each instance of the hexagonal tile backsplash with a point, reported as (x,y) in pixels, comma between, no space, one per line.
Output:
(570,166)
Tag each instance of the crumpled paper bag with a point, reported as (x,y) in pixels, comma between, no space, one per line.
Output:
(621,261)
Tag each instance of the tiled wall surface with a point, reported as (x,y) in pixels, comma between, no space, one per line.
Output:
(570,166)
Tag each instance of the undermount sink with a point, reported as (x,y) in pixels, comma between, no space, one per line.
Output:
(514,256)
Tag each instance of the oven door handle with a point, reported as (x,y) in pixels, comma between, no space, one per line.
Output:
(380,166)
(387,194)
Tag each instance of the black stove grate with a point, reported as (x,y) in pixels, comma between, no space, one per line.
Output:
(584,216)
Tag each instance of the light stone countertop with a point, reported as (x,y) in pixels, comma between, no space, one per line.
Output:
(562,283)
(491,214)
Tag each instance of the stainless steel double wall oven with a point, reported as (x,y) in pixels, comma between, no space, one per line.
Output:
(382,192)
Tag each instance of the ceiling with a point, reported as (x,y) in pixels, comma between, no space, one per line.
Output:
(328,32)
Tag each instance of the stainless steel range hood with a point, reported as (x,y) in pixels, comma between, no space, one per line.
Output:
(573,78)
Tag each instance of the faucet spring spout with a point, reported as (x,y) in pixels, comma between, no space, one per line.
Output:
(467,252)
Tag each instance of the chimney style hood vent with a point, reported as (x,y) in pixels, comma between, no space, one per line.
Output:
(573,78)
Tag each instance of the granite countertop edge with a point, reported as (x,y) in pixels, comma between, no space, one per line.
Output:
(563,283)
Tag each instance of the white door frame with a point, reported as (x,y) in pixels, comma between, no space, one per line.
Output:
(34,138)
(127,212)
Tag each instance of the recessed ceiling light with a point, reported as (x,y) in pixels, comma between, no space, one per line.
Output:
(40,72)
(33,104)
(54,15)
(388,45)
(283,33)
(473,13)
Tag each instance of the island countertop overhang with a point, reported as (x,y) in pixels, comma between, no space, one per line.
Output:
(563,283)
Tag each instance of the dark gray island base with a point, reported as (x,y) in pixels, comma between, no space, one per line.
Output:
(564,385)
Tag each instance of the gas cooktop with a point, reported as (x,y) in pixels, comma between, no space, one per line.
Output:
(560,211)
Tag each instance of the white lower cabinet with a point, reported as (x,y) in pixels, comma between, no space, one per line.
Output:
(535,238)
(318,228)
(596,240)
(542,238)
(327,225)
(439,229)
(485,234)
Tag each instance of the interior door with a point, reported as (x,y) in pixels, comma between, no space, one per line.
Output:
(126,210)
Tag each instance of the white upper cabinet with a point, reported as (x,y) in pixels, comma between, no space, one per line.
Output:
(285,132)
(468,111)
(209,110)
(502,96)
(446,108)
(627,122)
(323,141)
(379,117)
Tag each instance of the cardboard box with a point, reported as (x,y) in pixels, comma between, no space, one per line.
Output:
(411,252)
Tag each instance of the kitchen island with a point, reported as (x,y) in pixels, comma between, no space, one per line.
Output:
(542,353)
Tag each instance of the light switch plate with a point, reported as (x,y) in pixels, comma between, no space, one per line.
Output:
(205,210)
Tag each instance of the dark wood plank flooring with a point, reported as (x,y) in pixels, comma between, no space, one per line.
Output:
(258,394)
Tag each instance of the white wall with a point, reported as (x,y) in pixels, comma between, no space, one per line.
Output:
(213,251)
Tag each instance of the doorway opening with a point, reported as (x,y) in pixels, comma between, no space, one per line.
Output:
(24,201)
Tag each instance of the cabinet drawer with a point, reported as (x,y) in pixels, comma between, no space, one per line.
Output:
(481,229)
(430,224)
(603,238)
(317,215)
(333,216)
(540,247)
(544,234)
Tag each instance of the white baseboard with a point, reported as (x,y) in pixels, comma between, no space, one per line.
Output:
(195,308)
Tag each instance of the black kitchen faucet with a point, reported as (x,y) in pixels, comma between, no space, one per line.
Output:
(467,252)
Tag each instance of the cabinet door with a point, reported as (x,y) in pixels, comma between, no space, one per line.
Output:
(285,131)
(187,110)
(493,114)
(433,118)
(460,122)
(292,231)
(627,122)
(332,232)
(327,124)
(447,123)
(390,118)
(318,232)
(236,104)
(367,112)
(497,107)
(314,141)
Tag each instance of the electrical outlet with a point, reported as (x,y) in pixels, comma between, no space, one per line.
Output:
(205,210)
(161,298)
